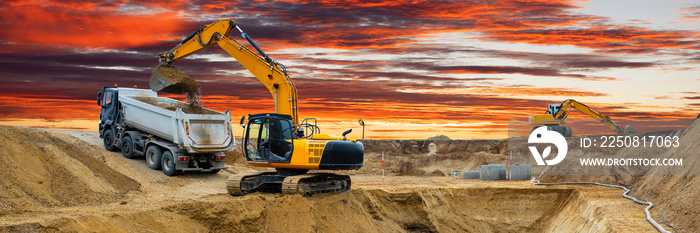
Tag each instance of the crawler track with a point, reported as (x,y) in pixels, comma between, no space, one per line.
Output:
(272,182)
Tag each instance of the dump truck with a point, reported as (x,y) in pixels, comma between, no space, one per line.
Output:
(172,135)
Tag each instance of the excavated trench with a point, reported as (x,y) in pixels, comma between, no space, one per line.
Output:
(365,210)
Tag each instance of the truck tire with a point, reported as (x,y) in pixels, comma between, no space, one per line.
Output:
(153,157)
(108,140)
(168,163)
(128,147)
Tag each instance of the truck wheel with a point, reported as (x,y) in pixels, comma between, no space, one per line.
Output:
(128,147)
(108,140)
(168,163)
(153,155)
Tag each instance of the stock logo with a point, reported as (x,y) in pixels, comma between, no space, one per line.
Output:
(542,135)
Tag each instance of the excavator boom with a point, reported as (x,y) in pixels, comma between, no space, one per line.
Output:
(271,73)
(567,105)
(558,114)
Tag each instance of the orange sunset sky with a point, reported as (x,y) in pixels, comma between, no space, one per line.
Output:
(410,69)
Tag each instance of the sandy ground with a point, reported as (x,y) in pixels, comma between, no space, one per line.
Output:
(56,180)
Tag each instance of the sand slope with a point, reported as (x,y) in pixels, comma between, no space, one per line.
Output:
(677,195)
(39,168)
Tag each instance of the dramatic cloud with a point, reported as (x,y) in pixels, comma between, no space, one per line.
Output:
(406,67)
(534,71)
(84,25)
(691,12)
(604,39)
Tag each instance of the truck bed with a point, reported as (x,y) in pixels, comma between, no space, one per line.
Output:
(193,129)
(165,103)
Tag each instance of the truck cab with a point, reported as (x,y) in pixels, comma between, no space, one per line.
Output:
(107,99)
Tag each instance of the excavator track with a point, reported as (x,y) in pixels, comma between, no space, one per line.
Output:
(309,184)
(242,184)
(272,182)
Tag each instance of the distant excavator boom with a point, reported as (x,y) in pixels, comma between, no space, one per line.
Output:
(557,114)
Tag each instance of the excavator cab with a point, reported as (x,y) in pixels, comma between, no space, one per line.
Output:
(269,138)
(553,109)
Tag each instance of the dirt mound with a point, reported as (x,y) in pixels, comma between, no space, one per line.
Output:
(677,195)
(48,168)
(439,137)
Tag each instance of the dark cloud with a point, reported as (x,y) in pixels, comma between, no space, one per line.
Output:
(63,52)
(620,39)
(692,12)
(534,71)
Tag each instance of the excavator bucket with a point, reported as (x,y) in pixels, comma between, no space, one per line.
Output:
(167,78)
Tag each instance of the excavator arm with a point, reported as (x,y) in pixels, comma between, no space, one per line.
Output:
(567,105)
(271,73)
(557,114)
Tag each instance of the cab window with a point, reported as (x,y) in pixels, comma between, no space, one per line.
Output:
(256,132)
(107,99)
(269,139)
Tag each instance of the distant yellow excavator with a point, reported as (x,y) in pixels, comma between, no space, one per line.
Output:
(278,139)
(557,114)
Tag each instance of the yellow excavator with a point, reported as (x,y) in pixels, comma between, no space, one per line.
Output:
(557,114)
(277,140)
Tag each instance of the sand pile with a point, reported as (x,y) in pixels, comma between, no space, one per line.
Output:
(677,195)
(439,137)
(39,168)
